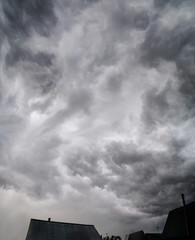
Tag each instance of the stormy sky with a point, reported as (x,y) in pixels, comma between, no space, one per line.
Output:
(97,112)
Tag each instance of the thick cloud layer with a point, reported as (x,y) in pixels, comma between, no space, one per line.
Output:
(97,112)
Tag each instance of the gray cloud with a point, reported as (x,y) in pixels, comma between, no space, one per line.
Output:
(125,18)
(97,112)
(20,54)
(172,3)
(20,16)
(174,42)
(137,175)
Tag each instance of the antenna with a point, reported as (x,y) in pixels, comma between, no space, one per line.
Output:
(185,215)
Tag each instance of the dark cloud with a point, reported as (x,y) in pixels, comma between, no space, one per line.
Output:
(20,20)
(171,3)
(152,180)
(23,16)
(159,108)
(97,111)
(19,54)
(36,63)
(125,17)
(165,43)
(173,42)
(77,5)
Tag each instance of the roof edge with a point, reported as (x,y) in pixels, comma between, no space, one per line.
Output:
(187,206)
(39,220)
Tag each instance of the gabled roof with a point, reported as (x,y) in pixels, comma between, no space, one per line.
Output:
(49,230)
(175,227)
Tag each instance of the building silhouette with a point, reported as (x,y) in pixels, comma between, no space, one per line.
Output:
(49,230)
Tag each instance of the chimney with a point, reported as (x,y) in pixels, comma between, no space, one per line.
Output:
(49,219)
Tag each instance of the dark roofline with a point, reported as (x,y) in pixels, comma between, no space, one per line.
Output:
(33,219)
(153,233)
(178,208)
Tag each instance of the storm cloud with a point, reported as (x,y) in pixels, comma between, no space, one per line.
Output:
(96,112)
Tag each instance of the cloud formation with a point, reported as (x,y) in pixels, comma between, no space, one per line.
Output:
(97,112)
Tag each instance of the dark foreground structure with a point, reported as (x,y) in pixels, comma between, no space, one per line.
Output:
(178,221)
(49,230)
(140,235)
(175,226)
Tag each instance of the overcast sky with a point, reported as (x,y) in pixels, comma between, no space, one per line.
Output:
(97,112)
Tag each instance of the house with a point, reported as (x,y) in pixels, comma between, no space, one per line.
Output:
(140,235)
(49,230)
(136,236)
(153,236)
(175,226)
